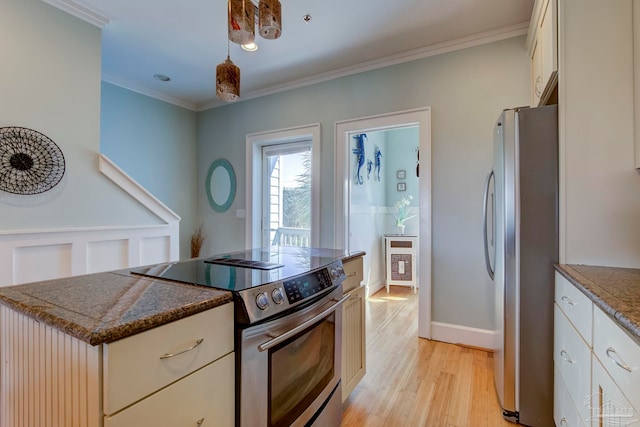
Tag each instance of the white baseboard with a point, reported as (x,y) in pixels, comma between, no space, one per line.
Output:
(374,287)
(465,335)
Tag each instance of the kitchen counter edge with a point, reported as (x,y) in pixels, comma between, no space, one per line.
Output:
(615,290)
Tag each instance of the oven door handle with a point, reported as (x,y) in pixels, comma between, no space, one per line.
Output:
(286,335)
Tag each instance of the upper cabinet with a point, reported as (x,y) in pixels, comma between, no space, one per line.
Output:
(542,41)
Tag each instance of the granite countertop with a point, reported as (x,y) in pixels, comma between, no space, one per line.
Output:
(348,256)
(105,307)
(615,290)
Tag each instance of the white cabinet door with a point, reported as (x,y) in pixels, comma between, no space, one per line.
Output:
(565,413)
(609,406)
(353,341)
(205,398)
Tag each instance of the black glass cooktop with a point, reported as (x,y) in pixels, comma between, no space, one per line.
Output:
(237,271)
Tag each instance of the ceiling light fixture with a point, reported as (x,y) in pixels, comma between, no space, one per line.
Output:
(241,20)
(228,80)
(250,47)
(269,19)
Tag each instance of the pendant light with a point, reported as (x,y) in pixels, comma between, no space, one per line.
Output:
(228,80)
(269,19)
(242,21)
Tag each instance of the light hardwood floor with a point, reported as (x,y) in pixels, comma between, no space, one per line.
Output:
(416,382)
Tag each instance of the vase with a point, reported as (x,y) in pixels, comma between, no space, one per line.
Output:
(401,229)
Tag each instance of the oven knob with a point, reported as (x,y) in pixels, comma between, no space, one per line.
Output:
(262,301)
(276,296)
(334,273)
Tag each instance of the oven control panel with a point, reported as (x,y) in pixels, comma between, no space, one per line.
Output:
(270,299)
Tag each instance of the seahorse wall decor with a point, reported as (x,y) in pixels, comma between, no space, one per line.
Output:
(377,154)
(360,157)
(369,167)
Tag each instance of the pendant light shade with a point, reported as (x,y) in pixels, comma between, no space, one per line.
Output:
(228,81)
(242,21)
(270,19)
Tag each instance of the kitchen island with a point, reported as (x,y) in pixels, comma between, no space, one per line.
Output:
(114,350)
(119,349)
(596,345)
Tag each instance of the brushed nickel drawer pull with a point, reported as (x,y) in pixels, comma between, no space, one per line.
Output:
(610,352)
(199,422)
(566,356)
(352,274)
(564,422)
(168,355)
(567,300)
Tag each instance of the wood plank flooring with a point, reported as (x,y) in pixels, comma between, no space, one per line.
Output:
(412,381)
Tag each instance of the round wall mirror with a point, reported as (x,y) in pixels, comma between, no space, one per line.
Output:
(221,185)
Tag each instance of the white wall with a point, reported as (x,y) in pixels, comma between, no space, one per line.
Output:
(600,189)
(466,90)
(51,83)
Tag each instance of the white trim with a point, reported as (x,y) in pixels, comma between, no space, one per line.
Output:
(82,10)
(387,61)
(422,118)
(128,184)
(254,142)
(151,93)
(457,334)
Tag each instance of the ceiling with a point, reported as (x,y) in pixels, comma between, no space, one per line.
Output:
(186,39)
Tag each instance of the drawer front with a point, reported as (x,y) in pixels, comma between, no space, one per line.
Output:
(572,359)
(565,413)
(615,349)
(577,307)
(353,271)
(139,356)
(204,398)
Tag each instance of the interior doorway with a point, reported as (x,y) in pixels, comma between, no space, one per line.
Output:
(352,171)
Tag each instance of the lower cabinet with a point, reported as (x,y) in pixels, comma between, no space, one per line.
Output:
(353,341)
(353,328)
(597,365)
(203,398)
(178,374)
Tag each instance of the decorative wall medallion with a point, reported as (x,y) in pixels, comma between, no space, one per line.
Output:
(30,162)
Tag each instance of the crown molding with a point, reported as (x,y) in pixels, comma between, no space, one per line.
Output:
(408,56)
(82,10)
(134,87)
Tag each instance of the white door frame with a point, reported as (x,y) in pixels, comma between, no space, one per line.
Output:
(422,118)
(255,142)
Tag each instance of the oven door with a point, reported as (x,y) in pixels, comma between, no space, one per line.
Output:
(289,368)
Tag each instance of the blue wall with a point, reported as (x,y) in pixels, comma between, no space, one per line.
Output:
(155,143)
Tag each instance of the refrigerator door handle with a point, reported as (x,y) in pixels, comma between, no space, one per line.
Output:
(487,260)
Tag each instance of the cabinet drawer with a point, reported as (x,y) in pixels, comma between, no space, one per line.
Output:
(577,307)
(353,271)
(207,395)
(133,367)
(565,413)
(572,359)
(614,347)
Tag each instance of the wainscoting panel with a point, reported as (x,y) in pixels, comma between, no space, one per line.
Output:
(32,263)
(107,255)
(43,254)
(154,250)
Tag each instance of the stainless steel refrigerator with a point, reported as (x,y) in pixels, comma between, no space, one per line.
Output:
(521,247)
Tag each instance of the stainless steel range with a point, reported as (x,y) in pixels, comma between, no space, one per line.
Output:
(288,330)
